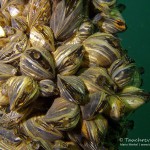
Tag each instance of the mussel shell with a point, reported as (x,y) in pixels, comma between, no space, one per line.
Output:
(90,145)
(102,124)
(84,31)
(26,145)
(6,71)
(95,130)
(97,102)
(63,114)
(99,3)
(48,88)
(3,42)
(9,137)
(42,36)
(4,4)
(66,17)
(4,101)
(27,5)
(37,63)
(113,26)
(116,108)
(68,59)
(54,4)
(39,12)
(15,8)
(122,72)
(111,39)
(133,97)
(93,87)
(4,22)
(90,131)
(12,51)
(111,21)
(72,88)
(77,137)
(132,102)
(100,50)
(8,31)
(19,23)
(38,130)
(10,120)
(22,90)
(99,76)
(61,145)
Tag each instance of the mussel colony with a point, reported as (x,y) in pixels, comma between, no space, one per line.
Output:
(65,81)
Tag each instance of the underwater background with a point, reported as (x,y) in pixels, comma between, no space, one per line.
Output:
(136,40)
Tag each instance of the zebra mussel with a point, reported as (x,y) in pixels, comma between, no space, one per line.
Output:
(65,81)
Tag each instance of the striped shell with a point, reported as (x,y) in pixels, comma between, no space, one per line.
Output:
(37,63)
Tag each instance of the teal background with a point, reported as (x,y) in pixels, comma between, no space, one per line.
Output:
(136,39)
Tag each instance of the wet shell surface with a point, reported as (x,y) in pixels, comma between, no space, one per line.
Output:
(66,83)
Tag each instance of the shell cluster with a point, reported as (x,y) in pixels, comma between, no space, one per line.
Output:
(65,81)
